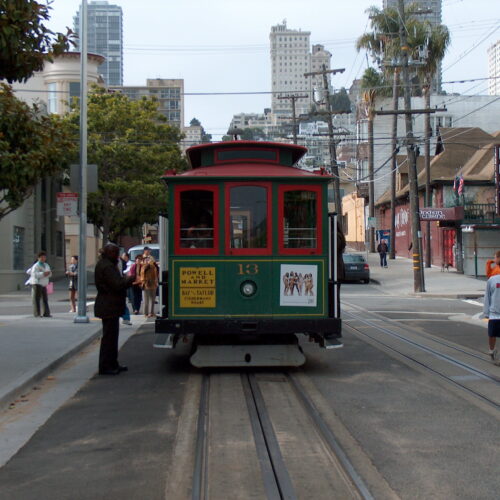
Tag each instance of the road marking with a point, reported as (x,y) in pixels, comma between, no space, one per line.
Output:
(473,302)
(419,312)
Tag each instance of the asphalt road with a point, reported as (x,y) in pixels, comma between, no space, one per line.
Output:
(118,437)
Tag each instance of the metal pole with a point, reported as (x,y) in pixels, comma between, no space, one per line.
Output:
(82,257)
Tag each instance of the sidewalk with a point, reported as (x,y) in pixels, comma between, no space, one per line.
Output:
(30,347)
(398,278)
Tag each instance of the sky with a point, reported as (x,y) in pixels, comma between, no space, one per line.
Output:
(223,45)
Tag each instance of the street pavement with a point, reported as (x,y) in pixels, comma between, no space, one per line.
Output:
(30,348)
(397,279)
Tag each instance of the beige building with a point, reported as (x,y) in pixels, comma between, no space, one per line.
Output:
(35,226)
(193,135)
(169,93)
(353,208)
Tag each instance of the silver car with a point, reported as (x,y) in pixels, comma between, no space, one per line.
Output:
(356,268)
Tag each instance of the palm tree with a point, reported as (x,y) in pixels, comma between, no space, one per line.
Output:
(383,43)
(372,82)
(433,41)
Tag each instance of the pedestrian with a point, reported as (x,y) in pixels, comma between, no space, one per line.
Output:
(124,267)
(492,312)
(72,274)
(149,281)
(136,288)
(109,306)
(39,279)
(382,250)
(493,265)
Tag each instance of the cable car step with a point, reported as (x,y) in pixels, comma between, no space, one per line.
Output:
(165,340)
(247,355)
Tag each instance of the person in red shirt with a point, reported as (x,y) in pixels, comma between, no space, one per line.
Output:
(493,266)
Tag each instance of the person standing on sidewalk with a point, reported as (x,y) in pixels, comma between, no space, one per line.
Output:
(135,272)
(72,274)
(124,267)
(493,265)
(382,249)
(492,311)
(39,279)
(149,280)
(109,306)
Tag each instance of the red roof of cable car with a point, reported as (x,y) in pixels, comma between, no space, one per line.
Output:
(194,153)
(245,167)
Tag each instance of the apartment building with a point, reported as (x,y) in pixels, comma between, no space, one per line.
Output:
(494,69)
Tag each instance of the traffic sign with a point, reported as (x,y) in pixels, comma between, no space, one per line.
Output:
(67,204)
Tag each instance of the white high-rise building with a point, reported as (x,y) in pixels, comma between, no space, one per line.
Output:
(494,69)
(290,59)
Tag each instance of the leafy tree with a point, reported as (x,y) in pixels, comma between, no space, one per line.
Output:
(32,146)
(195,122)
(132,146)
(25,42)
(340,101)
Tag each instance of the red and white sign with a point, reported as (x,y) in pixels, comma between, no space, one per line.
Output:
(67,204)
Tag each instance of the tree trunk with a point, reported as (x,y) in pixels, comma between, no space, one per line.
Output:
(428,192)
(394,166)
(371,187)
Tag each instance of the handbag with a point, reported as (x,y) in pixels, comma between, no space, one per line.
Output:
(50,288)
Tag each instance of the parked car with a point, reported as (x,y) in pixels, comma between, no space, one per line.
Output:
(139,250)
(356,267)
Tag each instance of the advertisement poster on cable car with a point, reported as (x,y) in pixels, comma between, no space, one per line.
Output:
(298,285)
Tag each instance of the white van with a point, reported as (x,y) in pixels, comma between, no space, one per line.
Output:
(139,250)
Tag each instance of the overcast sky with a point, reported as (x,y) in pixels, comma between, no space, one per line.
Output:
(223,45)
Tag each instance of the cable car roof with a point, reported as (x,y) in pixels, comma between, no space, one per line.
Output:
(246,159)
(205,155)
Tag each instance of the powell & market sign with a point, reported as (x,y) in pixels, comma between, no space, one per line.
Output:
(453,213)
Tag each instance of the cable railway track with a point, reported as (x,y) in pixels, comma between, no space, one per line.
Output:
(427,335)
(457,381)
(298,456)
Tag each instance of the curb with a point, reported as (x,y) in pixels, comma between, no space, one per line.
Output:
(424,295)
(37,374)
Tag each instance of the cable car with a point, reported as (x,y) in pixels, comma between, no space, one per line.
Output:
(248,258)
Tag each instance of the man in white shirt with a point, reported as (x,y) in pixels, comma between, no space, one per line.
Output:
(39,279)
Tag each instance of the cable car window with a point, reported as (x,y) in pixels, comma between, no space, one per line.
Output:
(300,219)
(248,217)
(239,154)
(197,219)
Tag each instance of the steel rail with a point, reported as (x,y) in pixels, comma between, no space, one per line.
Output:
(420,363)
(275,475)
(200,464)
(430,336)
(329,438)
(430,350)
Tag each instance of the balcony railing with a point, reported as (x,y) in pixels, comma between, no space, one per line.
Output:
(481,213)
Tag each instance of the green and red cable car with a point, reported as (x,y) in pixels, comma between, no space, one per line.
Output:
(250,261)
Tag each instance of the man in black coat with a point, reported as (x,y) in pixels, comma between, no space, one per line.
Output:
(109,306)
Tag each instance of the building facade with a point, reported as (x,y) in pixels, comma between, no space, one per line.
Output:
(168,92)
(35,226)
(290,59)
(494,69)
(105,37)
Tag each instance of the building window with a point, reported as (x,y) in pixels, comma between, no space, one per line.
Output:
(18,248)
(52,98)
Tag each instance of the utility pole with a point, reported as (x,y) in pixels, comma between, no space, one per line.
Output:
(82,257)
(332,145)
(293,98)
(418,270)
